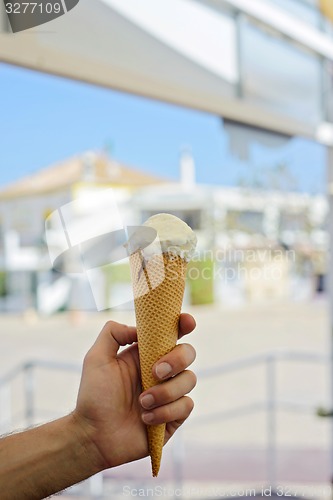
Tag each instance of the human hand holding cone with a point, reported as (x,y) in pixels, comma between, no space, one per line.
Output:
(158,278)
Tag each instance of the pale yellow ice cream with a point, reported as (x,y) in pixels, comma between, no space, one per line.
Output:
(173,236)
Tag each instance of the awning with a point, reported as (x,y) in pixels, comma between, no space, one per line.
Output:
(104,43)
(178,51)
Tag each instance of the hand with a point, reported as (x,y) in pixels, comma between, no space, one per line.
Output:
(110,408)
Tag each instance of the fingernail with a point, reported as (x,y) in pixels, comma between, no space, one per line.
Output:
(163,370)
(147,417)
(147,401)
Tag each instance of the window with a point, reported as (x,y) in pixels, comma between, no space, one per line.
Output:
(304,10)
(294,222)
(273,75)
(248,221)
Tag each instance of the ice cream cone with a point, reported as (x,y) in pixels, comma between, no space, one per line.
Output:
(158,285)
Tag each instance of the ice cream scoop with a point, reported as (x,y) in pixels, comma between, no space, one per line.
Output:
(172,236)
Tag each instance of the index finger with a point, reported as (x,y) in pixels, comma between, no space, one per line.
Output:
(186,324)
(112,336)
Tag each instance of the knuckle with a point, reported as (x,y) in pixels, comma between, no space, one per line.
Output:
(181,356)
(176,355)
(162,394)
(89,358)
(168,414)
(192,378)
(189,353)
(166,392)
(189,405)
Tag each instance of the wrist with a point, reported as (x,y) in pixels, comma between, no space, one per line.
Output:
(46,459)
(85,435)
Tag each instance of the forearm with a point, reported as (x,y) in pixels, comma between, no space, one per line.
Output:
(44,460)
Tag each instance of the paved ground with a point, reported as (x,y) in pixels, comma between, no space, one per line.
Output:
(216,449)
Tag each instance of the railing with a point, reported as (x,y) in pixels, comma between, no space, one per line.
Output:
(271,403)
(28,371)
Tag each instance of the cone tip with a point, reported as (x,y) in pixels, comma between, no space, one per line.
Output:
(155,467)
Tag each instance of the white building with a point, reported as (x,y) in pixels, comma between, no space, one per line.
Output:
(26,204)
(247,231)
(225,219)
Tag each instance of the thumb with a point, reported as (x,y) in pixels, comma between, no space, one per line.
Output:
(112,336)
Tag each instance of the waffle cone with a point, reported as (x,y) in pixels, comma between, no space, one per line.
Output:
(158,285)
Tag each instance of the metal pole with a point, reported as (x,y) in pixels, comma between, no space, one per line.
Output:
(29,392)
(239,22)
(271,420)
(330,278)
(96,486)
(178,460)
(5,408)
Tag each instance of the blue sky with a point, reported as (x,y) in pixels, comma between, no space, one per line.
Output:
(45,119)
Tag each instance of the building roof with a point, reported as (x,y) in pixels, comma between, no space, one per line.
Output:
(88,167)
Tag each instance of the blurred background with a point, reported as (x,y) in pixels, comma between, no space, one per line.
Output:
(220,112)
